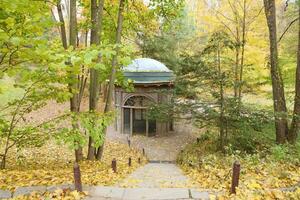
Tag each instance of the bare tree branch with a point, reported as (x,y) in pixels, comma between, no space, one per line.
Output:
(287,28)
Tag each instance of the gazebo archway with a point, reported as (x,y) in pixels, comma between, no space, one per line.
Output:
(135,119)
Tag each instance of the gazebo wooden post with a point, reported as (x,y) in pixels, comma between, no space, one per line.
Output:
(131,121)
(147,127)
(122,120)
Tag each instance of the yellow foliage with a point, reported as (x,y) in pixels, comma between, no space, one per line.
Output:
(53,165)
(56,195)
(259,179)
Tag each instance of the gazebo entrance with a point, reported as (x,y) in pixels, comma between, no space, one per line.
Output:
(151,81)
(135,119)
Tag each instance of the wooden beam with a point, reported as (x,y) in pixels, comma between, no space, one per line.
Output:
(135,107)
(131,121)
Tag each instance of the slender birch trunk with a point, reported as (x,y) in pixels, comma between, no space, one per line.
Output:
(109,99)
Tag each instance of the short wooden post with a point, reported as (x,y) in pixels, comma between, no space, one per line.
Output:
(77,177)
(235,176)
(114,165)
(128,141)
(143,152)
(129,161)
(139,160)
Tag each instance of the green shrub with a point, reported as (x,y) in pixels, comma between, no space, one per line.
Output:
(279,152)
(244,142)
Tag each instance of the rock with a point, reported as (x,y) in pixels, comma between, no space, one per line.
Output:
(156,193)
(107,192)
(199,194)
(27,190)
(4,194)
(52,188)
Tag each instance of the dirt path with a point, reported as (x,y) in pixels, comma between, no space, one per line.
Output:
(164,148)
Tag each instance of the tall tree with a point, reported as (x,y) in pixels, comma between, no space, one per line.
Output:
(279,103)
(74,101)
(96,18)
(62,25)
(109,98)
(295,126)
(243,50)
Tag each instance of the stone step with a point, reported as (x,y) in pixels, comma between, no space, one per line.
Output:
(163,161)
(117,193)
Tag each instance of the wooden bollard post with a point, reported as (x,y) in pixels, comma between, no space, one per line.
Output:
(139,160)
(129,161)
(128,141)
(77,177)
(143,152)
(114,165)
(235,176)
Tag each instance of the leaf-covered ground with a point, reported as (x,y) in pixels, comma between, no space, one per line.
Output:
(53,165)
(259,178)
(56,195)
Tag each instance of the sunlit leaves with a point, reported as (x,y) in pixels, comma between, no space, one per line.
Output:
(22,24)
(167,10)
(95,124)
(52,164)
(261,177)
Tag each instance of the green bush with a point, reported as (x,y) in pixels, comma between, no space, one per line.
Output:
(244,142)
(288,153)
(279,152)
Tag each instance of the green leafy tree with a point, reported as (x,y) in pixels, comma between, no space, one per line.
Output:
(35,63)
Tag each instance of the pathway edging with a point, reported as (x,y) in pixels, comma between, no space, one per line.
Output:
(5,194)
(107,192)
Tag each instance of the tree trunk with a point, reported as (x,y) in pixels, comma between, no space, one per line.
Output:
(62,25)
(221,101)
(73,42)
(280,110)
(3,162)
(236,69)
(96,18)
(4,156)
(295,126)
(115,61)
(108,104)
(74,101)
(242,53)
(237,52)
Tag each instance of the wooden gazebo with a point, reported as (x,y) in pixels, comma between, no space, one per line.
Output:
(148,76)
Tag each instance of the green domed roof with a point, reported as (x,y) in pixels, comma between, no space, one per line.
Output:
(147,70)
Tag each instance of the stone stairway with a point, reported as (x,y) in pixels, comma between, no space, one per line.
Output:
(117,193)
(155,180)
